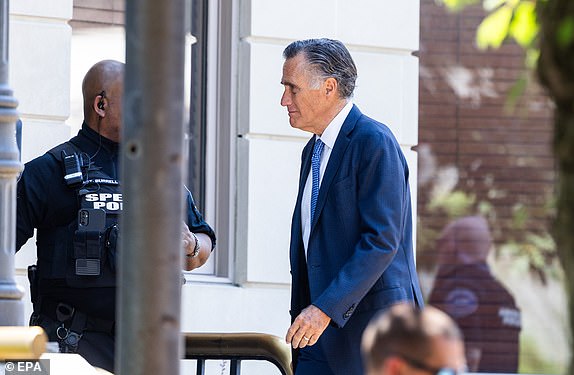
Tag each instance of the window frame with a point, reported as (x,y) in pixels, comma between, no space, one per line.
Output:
(212,141)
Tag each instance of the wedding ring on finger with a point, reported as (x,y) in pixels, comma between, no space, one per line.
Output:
(305,338)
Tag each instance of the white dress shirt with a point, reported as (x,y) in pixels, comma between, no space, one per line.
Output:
(328,137)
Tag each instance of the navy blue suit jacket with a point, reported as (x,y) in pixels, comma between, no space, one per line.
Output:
(360,253)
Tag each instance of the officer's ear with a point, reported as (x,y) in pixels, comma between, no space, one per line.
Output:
(100,104)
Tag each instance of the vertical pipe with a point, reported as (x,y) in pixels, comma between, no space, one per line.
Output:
(149,285)
(200,369)
(11,304)
(235,368)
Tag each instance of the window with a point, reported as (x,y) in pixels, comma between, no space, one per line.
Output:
(211,91)
(212,125)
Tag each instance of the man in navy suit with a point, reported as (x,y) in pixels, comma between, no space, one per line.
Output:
(351,237)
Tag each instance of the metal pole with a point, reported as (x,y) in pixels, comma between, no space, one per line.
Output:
(11,304)
(149,298)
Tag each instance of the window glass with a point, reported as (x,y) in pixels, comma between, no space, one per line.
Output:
(211,141)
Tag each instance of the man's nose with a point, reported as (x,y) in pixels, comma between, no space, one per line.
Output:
(285,99)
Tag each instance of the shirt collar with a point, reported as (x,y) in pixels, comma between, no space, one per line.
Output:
(330,134)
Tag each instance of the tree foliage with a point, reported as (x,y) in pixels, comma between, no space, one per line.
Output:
(514,20)
(545,29)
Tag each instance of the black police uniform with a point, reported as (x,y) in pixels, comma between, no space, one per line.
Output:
(65,299)
(484,310)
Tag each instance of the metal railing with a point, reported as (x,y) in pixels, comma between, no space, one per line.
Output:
(237,347)
(22,342)
(30,343)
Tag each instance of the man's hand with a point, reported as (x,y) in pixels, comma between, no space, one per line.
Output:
(188,244)
(188,240)
(307,327)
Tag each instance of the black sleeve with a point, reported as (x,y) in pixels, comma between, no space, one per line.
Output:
(32,194)
(195,221)
(25,215)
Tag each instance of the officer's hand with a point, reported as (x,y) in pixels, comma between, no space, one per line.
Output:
(307,327)
(188,240)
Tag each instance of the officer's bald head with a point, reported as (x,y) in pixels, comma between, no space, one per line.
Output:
(102,76)
(466,240)
(102,89)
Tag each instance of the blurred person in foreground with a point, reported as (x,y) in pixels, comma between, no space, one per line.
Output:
(406,340)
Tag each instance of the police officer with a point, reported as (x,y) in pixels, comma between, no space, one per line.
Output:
(482,307)
(72,196)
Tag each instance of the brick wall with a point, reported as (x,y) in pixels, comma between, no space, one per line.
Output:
(503,158)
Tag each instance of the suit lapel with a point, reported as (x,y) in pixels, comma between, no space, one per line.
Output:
(343,140)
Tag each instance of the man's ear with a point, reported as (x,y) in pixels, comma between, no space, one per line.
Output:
(393,365)
(99,105)
(331,85)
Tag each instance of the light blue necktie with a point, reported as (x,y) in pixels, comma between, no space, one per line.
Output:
(315,166)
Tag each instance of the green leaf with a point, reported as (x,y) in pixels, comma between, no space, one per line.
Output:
(519,215)
(494,29)
(531,58)
(490,5)
(516,91)
(565,32)
(485,208)
(543,241)
(524,27)
(455,204)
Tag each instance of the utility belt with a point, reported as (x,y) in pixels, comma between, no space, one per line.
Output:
(66,325)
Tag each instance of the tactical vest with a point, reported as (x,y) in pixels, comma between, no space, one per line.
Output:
(83,252)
